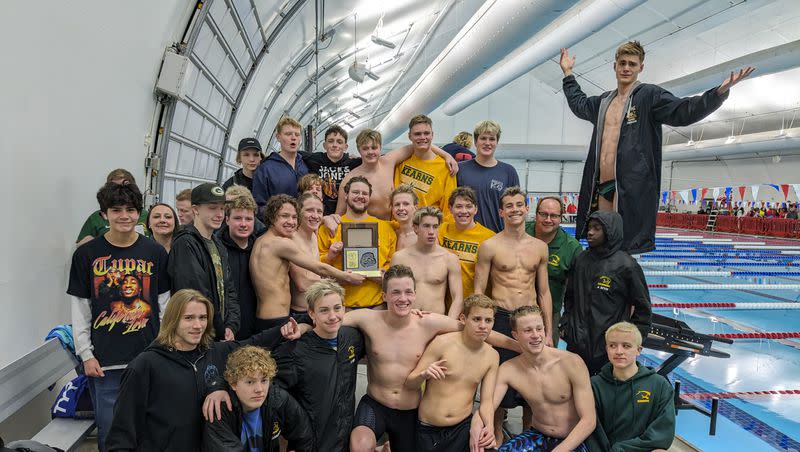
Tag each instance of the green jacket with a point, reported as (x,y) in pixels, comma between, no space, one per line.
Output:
(635,415)
(96,225)
(563,250)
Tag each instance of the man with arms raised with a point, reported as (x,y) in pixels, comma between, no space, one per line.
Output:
(438,270)
(635,406)
(623,169)
(426,170)
(404,203)
(553,382)
(463,236)
(453,365)
(305,237)
(269,263)
(357,196)
(516,265)
(563,249)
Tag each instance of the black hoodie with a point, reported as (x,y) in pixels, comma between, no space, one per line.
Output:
(603,285)
(239,262)
(239,178)
(635,415)
(323,380)
(281,415)
(190,267)
(638,161)
(162,391)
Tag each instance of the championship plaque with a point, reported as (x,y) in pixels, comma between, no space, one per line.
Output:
(360,253)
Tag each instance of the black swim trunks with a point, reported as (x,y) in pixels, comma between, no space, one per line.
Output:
(431,438)
(534,441)
(300,316)
(607,189)
(260,325)
(399,425)
(502,324)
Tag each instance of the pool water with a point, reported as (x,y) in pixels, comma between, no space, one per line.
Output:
(751,423)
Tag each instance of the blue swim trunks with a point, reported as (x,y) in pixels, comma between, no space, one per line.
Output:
(533,441)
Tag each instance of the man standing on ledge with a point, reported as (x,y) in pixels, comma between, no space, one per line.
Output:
(627,124)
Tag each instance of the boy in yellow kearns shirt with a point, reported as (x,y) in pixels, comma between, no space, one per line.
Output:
(463,235)
(424,170)
(357,192)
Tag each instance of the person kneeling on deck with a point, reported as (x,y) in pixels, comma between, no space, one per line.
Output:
(635,406)
(553,382)
(261,411)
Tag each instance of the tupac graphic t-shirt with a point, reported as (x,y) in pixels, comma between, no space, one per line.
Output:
(331,173)
(122,286)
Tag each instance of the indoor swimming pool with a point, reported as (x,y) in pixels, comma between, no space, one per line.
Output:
(748,290)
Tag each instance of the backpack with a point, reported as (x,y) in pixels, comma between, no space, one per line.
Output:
(74,401)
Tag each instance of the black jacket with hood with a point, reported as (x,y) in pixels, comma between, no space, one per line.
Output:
(239,262)
(281,415)
(160,398)
(239,178)
(635,415)
(323,380)
(190,267)
(603,285)
(638,163)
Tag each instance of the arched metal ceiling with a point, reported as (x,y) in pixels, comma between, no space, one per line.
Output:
(253,61)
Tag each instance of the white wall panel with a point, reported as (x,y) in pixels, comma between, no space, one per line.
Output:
(81,105)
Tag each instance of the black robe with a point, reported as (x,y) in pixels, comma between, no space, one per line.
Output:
(638,163)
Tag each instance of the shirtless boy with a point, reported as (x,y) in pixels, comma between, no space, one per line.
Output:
(436,268)
(310,217)
(269,263)
(453,365)
(553,382)
(389,406)
(404,203)
(516,265)
(379,171)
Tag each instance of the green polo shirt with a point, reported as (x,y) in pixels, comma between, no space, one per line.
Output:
(563,250)
(96,225)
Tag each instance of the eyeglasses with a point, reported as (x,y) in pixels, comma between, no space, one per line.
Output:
(552,216)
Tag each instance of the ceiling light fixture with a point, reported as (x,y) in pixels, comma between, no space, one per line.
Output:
(357,71)
(382,42)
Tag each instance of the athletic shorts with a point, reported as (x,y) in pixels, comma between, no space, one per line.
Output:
(431,438)
(502,324)
(399,425)
(300,316)
(533,441)
(260,325)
